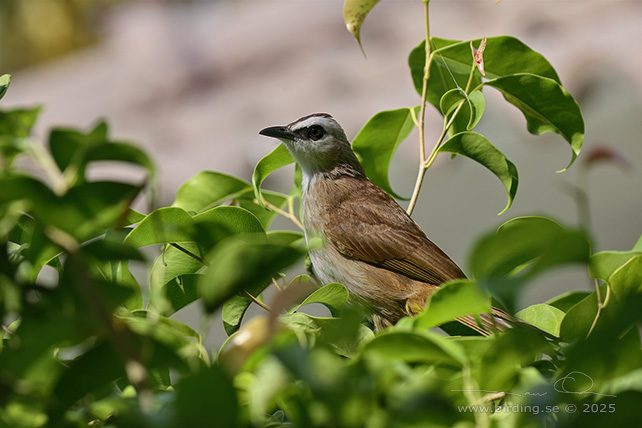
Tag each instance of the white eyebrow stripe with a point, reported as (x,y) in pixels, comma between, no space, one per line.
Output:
(308,122)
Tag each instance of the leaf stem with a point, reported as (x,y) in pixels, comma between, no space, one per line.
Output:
(289,216)
(600,304)
(257,301)
(426,163)
(422,113)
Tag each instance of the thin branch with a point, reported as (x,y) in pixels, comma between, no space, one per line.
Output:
(276,284)
(257,301)
(600,304)
(422,114)
(285,214)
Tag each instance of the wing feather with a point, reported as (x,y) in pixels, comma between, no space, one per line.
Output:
(376,230)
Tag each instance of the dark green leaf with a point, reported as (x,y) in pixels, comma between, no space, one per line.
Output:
(546,106)
(503,56)
(179,292)
(237,265)
(442,71)
(173,263)
(207,399)
(377,142)
(15,128)
(425,347)
(233,311)
(478,148)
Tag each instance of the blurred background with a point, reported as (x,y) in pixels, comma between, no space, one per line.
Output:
(194,81)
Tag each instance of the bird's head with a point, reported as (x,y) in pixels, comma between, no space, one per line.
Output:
(316,142)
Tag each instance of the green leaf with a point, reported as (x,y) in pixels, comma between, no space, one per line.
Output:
(520,241)
(276,159)
(603,264)
(544,317)
(85,211)
(478,148)
(578,320)
(442,70)
(265,216)
(5,79)
(566,301)
(536,243)
(422,347)
(15,128)
(503,56)
(453,300)
(354,13)
(19,122)
(546,106)
(345,335)
(626,281)
(233,311)
(164,225)
(470,115)
(237,265)
(180,292)
(173,263)
(207,398)
(133,217)
(377,142)
(333,296)
(208,189)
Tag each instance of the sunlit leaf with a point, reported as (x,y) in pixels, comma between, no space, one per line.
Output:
(603,264)
(168,224)
(546,105)
(543,316)
(333,296)
(377,142)
(453,300)
(5,80)
(208,189)
(478,148)
(354,13)
(277,158)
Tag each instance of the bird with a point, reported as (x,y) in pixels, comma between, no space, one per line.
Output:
(370,243)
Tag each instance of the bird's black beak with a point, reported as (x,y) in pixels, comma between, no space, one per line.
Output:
(280,132)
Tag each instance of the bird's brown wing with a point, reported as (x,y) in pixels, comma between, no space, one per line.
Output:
(376,230)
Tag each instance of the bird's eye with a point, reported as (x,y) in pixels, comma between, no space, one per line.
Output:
(315,132)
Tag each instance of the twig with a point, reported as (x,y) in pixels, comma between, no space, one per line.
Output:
(600,304)
(422,114)
(285,214)
(257,301)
